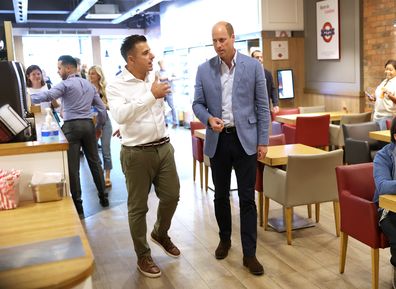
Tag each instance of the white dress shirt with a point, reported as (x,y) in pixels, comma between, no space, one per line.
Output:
(133,106)
(227,82)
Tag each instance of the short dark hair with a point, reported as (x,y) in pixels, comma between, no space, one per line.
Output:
(393,130)
(392,62)
(253,52)
(68,60)
(129,44)
(29,70)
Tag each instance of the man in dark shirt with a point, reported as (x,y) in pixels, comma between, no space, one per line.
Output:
(78,96)
(270,82)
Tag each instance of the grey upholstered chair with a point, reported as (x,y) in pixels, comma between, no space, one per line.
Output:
(310,109)
(336,134)
(309,179)
(359,147)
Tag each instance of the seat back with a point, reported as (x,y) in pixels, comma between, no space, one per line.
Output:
(197,143)
(388,123)
(310,109)
(313,130)
(278,139)
(196,125)
(359,217)
(360,131)
(311,178)
(355,118)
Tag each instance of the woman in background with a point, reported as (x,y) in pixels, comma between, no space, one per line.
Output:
(96,77)
(385,96)
(35,83)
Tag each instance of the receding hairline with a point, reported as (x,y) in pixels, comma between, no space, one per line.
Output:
(226,25)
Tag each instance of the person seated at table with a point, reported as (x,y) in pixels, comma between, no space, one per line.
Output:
(385,184)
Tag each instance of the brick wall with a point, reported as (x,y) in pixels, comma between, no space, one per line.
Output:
(379,39)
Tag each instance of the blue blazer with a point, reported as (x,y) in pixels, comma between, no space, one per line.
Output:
(249,102)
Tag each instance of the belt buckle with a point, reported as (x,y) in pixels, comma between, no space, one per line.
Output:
(229,129)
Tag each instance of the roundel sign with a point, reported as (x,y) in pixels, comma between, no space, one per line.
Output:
(327,32)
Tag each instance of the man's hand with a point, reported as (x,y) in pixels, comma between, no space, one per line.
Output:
(160,89)
(261,152)
(275,109)
(216,124)
(117,133)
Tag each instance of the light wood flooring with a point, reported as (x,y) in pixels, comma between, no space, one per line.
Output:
(311,262)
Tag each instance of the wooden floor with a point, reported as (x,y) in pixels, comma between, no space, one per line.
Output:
(311,262)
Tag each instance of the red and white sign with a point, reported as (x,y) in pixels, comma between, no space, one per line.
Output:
(328,29)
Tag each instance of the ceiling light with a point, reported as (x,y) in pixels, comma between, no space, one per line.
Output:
(20,10)
(102,16)
(80,10)
(136,10)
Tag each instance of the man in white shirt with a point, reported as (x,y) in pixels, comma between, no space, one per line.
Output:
(147,157)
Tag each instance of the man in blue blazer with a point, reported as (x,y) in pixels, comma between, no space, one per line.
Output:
(231,99)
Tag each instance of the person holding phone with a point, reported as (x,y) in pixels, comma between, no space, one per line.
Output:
(385,96)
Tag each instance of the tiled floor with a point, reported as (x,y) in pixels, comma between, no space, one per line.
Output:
(311,262)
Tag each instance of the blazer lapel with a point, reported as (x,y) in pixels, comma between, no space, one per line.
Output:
(239,72)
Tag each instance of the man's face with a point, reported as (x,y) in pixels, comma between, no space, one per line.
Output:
(62,70)
(222,42)
(141,57)
(259,56)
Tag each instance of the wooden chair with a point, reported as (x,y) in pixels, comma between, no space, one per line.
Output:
(359,217)
(309,179)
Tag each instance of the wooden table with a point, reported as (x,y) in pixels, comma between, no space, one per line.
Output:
(37,222)
(381,135)
(388,202)
(277,155)
(291,118)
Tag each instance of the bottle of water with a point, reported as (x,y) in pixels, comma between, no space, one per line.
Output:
(49,129)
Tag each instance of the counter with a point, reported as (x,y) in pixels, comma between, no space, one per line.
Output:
(34,156)
(32,223)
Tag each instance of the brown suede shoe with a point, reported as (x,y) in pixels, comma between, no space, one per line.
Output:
(253,265)
(166,244)
(148,268)
(222,249)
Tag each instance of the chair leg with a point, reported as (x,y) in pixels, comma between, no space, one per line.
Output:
(289,217)
(201,174)
(317,212)
(206,177)
(309,208)
(266,211)
(374,267)
(194,168)
(343,250)
(260,209)
(336,206)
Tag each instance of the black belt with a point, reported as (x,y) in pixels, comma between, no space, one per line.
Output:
(159,142)
(229,129)
(76,119)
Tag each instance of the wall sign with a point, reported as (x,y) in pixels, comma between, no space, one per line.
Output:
(328,29)
(279,50)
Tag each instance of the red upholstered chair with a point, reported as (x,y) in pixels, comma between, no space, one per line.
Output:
(359,214)
(309,130)
(274,140)
(277,126)
(197,149)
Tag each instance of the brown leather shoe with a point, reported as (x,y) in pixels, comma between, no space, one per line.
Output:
(148,268)
(222,249)
(166,244)
(253,265)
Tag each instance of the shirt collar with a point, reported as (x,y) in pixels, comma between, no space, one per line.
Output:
(128,76)
(233,60)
